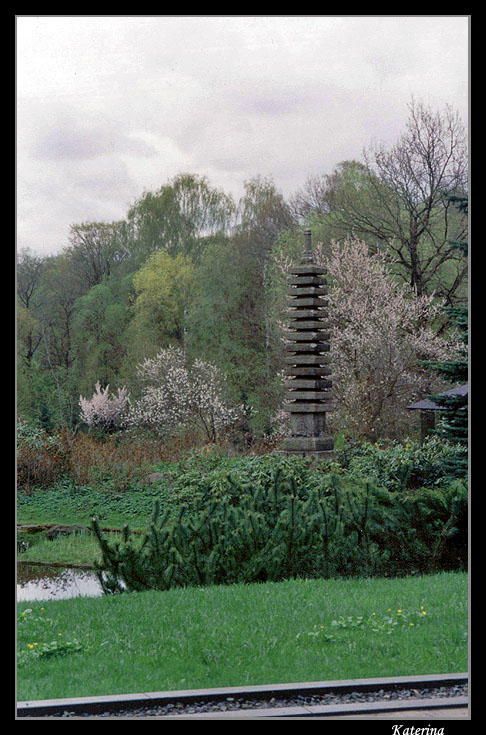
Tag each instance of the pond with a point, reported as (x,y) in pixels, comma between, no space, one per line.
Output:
(55,583)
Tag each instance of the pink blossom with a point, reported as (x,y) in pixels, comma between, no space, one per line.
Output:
(105,411)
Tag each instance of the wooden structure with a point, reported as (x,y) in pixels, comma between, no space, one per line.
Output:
(428,409)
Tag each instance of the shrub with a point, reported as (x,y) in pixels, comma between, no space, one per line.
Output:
(109,462)
(285,521)
(400,465)
(42,459)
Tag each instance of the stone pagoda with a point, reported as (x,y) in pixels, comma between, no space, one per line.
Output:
(308,396)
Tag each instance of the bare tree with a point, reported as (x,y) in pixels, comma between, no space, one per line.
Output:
(94,249)
(428,162)
(29,276)
(398,199)
(312,197)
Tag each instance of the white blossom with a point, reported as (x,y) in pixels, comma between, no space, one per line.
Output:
(175,394)
(380,332)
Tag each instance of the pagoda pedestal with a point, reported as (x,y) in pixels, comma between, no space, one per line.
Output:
(309,396)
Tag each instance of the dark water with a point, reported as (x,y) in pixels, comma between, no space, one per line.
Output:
(55,583)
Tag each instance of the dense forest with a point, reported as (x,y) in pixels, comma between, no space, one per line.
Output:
(187,294)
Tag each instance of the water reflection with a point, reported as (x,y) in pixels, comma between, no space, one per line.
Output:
(54,583)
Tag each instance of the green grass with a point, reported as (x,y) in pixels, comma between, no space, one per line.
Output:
(79,548)
(72,505)
(242,635)
(66,505)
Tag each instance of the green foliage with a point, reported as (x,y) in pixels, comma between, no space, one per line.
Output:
(189,265)
(99,332)
(36,395)
(400,466)
(163,286)
(178,216)
(225,321)
(284,521)
(454,419)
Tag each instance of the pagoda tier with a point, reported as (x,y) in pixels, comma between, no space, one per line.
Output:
(309,395)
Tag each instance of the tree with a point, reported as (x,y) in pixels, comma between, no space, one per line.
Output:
(95,248)
(263,216)
(163,289)
(177,395)
(454,419)
(30,269)
(178,216)
(396,199)
(429,159)
(381,330)
(99,328)
(230,320)
(310,199)
(60,289)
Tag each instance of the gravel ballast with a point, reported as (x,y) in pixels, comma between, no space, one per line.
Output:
(232,704)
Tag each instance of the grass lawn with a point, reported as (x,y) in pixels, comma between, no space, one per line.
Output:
(74,549)
(242,635)
(70,505)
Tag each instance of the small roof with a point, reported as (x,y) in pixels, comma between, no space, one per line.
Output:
(427,405)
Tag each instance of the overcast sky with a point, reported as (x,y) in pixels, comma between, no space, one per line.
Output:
(111,106)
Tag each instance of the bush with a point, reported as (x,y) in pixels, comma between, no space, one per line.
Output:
(400,465)
(42,459)
(111,463)
(115,462)
(273,518)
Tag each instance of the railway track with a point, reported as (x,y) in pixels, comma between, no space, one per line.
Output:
(406,696)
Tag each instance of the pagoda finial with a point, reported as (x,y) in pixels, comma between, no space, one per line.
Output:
(308,256)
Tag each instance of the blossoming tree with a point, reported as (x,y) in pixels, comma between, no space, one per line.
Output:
(104,411)
(173,395)
(381,330)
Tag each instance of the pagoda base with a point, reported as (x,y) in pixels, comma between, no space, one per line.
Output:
(314,447)
(304,444)
(326,456)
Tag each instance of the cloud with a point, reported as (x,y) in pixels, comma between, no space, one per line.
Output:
(78,143)
(110,106)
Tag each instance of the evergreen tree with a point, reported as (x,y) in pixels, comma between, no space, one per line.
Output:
(454,418)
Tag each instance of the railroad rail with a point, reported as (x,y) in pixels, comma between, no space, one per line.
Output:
(385,697)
